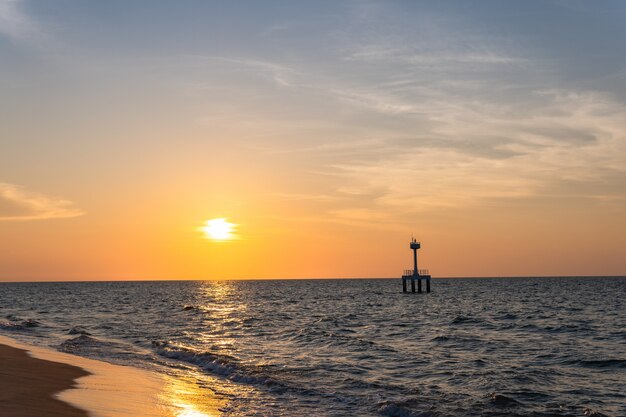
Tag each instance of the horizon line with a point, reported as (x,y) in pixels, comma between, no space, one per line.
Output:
(311,279)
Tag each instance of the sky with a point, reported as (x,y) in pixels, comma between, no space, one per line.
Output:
(328,132)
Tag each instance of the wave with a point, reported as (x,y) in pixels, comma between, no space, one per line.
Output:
(397,409)
(465,320)
(90,346)
(568,328)
(6,325)
(457,340)
(231,368)
(79,343)
(507,316)
(78,330)
(503,400)
(337,338)
(220,364)
(23,325)
(591,413)
(598,363)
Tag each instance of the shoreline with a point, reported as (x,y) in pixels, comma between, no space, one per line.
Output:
(28,386)
(41,381)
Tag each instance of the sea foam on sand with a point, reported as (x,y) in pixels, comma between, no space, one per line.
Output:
(123,391)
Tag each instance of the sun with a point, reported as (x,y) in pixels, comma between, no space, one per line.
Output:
(219,229)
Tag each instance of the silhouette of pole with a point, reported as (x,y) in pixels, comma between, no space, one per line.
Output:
(415,275)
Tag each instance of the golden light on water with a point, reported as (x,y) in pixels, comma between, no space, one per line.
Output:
(188,410)
(185,397)
(219,230)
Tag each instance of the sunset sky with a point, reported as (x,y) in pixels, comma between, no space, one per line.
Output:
(327,132)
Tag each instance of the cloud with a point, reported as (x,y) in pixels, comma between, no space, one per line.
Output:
(479,152)
(19,204)
(447,60)
(392,118)
(425,143)
(280,74)
(305,197)
(15,24)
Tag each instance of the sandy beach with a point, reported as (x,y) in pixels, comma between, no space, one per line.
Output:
(28,385)
(36,381)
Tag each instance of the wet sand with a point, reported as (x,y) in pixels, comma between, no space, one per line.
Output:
(36,382)
(28,385)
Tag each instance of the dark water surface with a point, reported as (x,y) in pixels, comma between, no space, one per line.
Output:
(472,347)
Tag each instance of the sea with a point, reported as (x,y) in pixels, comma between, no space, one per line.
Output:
(351,347)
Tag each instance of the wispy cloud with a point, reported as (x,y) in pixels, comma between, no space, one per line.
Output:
(280,74)
(479,152)
(442,60)
(16,24)
(305,197)
(16,203)
(395,117)
(457,142)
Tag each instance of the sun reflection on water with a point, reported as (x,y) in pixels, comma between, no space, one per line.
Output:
(187,398)
(188,410)
(221,311)
(225,310)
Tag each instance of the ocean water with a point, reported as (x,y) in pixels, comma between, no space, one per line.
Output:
(472,347)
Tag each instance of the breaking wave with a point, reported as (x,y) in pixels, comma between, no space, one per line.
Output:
(218,364)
